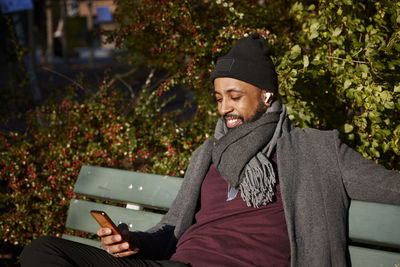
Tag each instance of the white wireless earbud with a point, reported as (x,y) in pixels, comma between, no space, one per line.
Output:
(267,96)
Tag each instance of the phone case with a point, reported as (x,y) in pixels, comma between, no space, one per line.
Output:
(104,221)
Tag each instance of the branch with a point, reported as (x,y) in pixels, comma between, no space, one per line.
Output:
(62,75)
(348,60)
(120,77)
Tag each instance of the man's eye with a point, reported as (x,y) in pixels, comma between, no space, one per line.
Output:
(218,99)
(235,97)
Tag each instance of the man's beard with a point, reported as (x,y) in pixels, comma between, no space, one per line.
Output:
(260,110)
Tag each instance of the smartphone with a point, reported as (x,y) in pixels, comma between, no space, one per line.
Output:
(105,222)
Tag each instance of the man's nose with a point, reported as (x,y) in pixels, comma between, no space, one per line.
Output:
(225,107)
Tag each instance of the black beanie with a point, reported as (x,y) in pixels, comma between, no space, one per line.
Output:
(249,61)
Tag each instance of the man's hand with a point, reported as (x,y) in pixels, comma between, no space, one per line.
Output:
(114,244)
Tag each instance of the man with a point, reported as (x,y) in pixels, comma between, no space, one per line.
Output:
(260,193)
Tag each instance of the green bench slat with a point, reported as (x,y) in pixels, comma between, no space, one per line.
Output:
(83,240)
(127,186)
(79,217)
(374,223)
(365,257)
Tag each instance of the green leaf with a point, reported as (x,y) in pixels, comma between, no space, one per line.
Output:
(363,68)
(348,128)
(293,73)
(314,34)
(314,26)
(385,147)
(375,116)
(387,121)
(306,61)
(295,51)
(358,99)
(298,6)
(389,105)
(314,30)
(386,96)
(375,144)
(375,152)
(347,84)
(350,93)
(379,65)
(336,32)
(397,89)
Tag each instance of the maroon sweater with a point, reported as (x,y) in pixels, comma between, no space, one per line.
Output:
(228,233)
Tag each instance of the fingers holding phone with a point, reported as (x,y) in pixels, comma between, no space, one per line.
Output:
(114,244)
(115,240)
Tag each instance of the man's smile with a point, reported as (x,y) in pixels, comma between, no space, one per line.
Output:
(233,121)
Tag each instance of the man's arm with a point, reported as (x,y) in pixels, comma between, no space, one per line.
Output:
(364,179)
(145,245)
(154,245)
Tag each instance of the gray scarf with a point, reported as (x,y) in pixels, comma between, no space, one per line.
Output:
(241,155)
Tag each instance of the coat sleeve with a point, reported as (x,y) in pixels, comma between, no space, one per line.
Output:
(364,179)
(153,245)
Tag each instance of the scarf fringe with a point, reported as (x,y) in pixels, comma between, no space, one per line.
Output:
(258,184)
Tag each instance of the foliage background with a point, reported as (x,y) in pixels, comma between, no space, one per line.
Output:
(338,65)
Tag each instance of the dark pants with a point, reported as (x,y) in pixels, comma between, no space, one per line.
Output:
(51,251)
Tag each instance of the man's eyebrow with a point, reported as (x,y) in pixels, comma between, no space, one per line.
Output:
(232,90)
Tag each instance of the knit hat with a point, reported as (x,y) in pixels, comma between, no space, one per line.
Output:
(249,61)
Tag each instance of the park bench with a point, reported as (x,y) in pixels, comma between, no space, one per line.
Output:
(140,200)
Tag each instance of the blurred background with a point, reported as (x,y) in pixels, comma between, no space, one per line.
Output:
(46,43)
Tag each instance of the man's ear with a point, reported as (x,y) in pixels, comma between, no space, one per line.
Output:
(267,97)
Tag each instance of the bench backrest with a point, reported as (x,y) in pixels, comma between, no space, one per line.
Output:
(137,199)
(373,227)
(374,232)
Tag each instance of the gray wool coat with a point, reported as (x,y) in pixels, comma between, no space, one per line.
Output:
(318,176)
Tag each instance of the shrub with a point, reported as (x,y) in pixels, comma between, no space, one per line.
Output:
(344,73)
(108,128)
